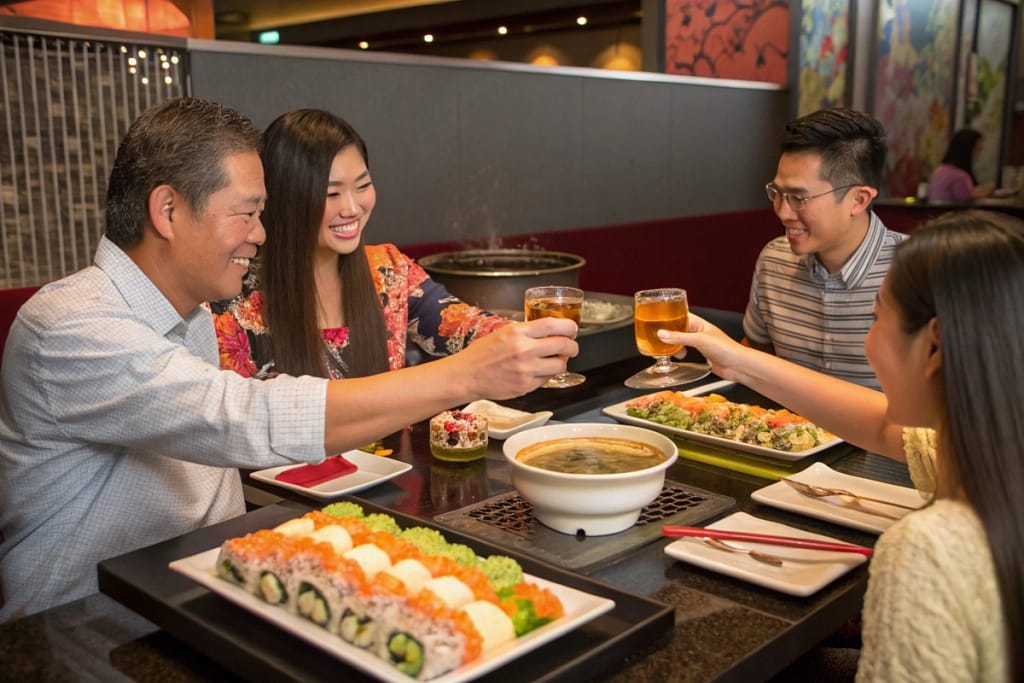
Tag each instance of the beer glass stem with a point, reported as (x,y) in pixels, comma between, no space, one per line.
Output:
(662,364)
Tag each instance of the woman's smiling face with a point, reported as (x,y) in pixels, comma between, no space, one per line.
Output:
(349,202)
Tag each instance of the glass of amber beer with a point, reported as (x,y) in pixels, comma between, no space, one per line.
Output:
(661,309)
(556,301)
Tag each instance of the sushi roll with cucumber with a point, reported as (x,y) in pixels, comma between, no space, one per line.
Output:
(327,589)
(256,562)
(409,596)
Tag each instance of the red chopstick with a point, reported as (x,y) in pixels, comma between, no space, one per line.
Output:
(767,539)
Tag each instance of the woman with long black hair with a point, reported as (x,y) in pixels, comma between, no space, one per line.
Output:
(945,599)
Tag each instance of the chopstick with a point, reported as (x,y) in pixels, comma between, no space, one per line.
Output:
(767,539)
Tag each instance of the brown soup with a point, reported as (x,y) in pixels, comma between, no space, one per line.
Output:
(591,455)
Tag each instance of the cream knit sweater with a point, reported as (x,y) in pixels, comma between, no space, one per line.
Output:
(932,609)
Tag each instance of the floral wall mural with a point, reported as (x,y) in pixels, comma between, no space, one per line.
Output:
(986,97)
(824,54)
(914,90)
(740,39)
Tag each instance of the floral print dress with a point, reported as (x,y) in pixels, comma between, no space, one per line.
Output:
(416,309)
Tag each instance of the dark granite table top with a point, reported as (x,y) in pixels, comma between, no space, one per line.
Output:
(725,629)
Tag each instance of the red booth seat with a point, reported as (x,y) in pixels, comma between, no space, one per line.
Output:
(10,301)
(711,256)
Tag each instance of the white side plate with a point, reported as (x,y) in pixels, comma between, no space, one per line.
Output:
(802,573)
(866,516)
(371,470)
(579,607)
(503,422)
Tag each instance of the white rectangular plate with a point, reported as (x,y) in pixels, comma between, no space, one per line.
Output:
(599,309)
(579,607)
(871,517)
(802,573)
(371,470)
(503,422)
(618,411)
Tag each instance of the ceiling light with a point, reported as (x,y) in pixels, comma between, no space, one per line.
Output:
(428,38)
(231,18)
(582,21)
(502,30)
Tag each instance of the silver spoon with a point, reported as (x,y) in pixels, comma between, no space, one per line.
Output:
(755,554)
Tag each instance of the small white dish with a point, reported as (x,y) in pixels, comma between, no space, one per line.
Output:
(802,572)
(866,516)
(371,470)
(503,422)
(579,607)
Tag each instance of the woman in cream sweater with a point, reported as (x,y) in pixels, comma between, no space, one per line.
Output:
(945,599)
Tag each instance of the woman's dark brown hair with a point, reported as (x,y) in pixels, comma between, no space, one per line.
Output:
(960,152)
(298,150)
(966,268)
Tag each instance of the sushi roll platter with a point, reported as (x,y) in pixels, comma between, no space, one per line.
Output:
(422,607)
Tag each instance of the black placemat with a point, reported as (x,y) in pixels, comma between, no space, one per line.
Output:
(871,466)
(259,651)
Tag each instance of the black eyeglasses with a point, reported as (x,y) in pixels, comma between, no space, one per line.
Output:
(795,201)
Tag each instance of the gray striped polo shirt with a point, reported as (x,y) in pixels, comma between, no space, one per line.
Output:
(816,319)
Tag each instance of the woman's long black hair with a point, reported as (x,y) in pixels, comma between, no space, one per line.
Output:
(966,268)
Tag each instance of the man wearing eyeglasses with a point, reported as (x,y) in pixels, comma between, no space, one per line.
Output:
(813,288)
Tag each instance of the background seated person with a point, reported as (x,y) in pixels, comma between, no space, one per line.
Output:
(953,180)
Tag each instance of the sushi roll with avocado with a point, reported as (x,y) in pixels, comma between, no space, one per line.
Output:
(415,600)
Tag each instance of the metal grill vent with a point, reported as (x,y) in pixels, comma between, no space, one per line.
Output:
(508,520)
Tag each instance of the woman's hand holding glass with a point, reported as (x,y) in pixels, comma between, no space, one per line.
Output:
(726,356)
(556,301)
(662,309)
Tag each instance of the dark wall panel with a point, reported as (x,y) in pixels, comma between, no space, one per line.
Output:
(724,147)
(626,169)
(520,149)
(464,151)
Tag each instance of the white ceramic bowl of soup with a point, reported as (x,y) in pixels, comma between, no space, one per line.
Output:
(588,503)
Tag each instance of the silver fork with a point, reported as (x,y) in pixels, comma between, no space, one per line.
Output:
(825,492)
(755,554)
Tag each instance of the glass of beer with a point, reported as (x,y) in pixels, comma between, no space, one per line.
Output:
(556,301)
(662,309)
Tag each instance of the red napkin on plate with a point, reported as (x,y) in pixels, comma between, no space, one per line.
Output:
(310,475)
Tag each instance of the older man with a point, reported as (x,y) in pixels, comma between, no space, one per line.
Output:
(117,427)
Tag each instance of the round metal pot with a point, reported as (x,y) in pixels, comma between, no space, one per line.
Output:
(495,279)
